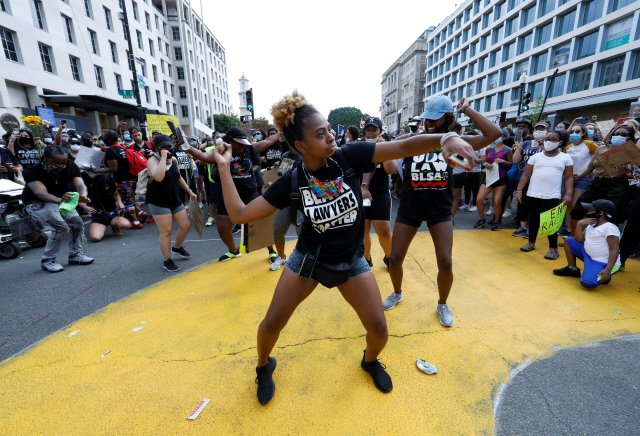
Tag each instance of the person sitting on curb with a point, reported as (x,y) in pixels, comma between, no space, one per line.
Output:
(597,246)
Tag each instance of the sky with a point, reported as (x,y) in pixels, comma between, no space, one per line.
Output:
(333,52)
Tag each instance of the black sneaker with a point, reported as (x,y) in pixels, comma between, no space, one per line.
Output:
(479,223)
(170,266)
(370,262)
(264,380)
(181,251)
(236,229)
(495,227)
(386,262)
(564,232)
(377,371)
(229,256)
(567,271)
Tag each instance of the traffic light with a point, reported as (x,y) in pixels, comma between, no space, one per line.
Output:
(526,101)
(250,100)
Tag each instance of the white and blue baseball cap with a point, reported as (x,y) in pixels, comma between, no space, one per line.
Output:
(436,107)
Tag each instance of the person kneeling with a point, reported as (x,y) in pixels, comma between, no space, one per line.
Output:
(597,246)
(106,207)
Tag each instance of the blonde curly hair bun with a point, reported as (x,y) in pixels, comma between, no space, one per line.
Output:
(283,112)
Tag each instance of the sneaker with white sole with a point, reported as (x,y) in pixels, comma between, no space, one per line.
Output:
(278,263)
(170,266)
(489,212)
(80,259)
(229,256)
(181,251)
(464,207)
(506,213)
(50,265)
(393,299)
(473,208)
(446,317)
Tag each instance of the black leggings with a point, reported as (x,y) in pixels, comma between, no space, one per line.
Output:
(536,207)
(523,206)
(471,188)
(631,235)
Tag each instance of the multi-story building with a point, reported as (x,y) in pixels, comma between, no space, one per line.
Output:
(72,56)
(483,50)
(403,84)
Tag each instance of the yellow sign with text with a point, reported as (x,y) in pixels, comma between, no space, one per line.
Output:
(551,220)
(159,122)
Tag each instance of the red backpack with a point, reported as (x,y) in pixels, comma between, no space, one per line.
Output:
(137,162)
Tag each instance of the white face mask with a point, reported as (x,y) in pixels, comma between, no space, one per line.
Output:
(539,134)
(75,147)
(550,145)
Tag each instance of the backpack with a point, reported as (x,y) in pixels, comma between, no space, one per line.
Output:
(137,162)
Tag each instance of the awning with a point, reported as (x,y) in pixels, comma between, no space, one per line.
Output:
(100,104)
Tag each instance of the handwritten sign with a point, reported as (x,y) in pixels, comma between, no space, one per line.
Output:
(245,128)
(159,123)
(257,235)
(551,220)
(493,175)
(625,154)
(196,215)
(260,124)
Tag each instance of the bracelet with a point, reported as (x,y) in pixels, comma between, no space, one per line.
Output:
(447,136)
(518,192)
(364,184)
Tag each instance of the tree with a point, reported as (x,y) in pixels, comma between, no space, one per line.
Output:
(345,116)
(223,122)
(534,110)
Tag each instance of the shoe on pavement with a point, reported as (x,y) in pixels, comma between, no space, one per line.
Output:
(506,213)
(528,247)
(552,254)
(236,229)
(377,372)
(464,207)
(229,256)
(210,221)
(564,232)
(495,227)
(370,262)
(273,256)
(568,271)
(143,217)
(526,235)
(50,265)
(116,231)
(136,226)
(489,212)
(473,208)
(520,232)
(278,263)
(479,223)
(264,380)
(80,259)
(181,251)
(393,299)
(150,220)
(385,259)
(446,317)
(170,266)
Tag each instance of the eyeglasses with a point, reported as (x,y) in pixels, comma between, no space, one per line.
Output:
(623,134)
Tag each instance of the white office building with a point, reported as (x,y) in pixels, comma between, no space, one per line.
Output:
(72,56)
(485,47)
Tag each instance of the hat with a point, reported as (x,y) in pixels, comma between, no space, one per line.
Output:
(74,140)
(505,132)
(373,121)
(87,137)
(162,141)
(524,120)
(238,135)
(156,132)
(436,107)
(605,206)
(415,121)
(543,123)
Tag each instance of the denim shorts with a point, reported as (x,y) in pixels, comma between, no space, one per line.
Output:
(582,184)
(295,262)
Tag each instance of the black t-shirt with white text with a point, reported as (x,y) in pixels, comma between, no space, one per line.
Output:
(119,154)
(273,154)
(288,162)
(28,157)
(184,163)
(335,222)
(242,170)
(379,183)
(56,184)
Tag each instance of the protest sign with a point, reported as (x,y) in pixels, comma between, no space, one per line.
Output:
(196,216)
(257,235)
(260,124)
(551,220)
(245,128)
(204,129)
(159,123)
(605,126)
(89,157)
(493,175)
(270,176)
(625,154)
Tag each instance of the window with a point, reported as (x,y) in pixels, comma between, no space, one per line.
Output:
(10,50)
(565,23)
(543,35)
(618,33)
(167,49)
(561,55)
(527,16)
(471,68)
(147,94)
(508,51)
(592,11)
(143,68)
(175,33)
(169,73)
(537,89)
(636,67)
(147,19)
(510,26)
(483,43)
(75,68)
(506,75)
(157,23)
(501,97)
(139,36)
(118,81)
(524,43)
(154,71)
(195,94)
(617,4)
(114,52)
(544,7)
(68,28)
(38,14)
(151,50)
(481,63)
(488,102)
(471,89)
(521,68)
(492,59)
(107,19)
(173,91)
(98,71)
(162,65)
(124,32)
(539,63)
(164,29)
(45,57)
(611,71)
(495,36)
(182,92)
(492,81)
(165,86)
(158,99)
(93,39)
(581,78)
(87,12)
(184,111)
(177,51)
(175,109)
(160,46)
(557,89)
(167,106)
(191,55)
(135,11)
(587,45)
(3,7)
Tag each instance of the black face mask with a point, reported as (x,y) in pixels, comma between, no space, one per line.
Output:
(594,215)
(51,169)
(24,141)
(87,144)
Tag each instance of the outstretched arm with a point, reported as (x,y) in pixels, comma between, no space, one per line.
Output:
(490,132)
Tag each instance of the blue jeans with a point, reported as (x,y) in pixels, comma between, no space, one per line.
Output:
(592,267)
(295,262)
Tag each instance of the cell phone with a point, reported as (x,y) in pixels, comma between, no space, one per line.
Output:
(461,162)
(176,131)
(503,117)
(308,264)
(366,202)
(584,120)
(518,135)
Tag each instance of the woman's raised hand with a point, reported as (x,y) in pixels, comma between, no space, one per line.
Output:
(456,145)
(222,154)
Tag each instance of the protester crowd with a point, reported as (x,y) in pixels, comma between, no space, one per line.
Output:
(333,190)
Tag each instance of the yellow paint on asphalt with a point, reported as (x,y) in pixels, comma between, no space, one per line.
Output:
(508,307)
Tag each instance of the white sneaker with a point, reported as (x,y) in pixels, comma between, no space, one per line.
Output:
(391,301)
(464,207)
(50,265)
(278,263)
(489,212)
(473,208)
(446,317)
(506,213)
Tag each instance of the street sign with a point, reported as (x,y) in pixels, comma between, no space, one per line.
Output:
(127,96)
(126,92)
(142,84)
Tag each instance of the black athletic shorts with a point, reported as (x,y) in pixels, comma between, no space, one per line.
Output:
(432,221)
(502,181)
(459,180)
(246,198)
(380,209)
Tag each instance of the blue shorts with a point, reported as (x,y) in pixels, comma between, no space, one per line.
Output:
(582,184)
(215,193)
(295,262)
(591,267)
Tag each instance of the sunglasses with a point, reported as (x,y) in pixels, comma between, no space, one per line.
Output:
(579,132)
(623,134)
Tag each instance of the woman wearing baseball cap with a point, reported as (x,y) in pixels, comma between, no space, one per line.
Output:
(427,195)
(375,189)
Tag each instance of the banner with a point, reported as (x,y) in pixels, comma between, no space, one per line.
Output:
(204,129)
(618,33)
(552,220)
(260,124)
(245,128)
(159,122)
(46,115)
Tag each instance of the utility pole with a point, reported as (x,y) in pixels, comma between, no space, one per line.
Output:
(142,119)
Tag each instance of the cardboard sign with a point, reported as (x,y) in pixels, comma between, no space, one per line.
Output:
(493,175)
(606,126)
(245,128)
(552,220)
(159,123)
(270,176)
(196,216)
(258,235)
(260,124)
(89,157)
(627,153)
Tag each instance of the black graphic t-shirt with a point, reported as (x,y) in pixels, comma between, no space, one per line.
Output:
(184,163)
(119,154)
(56,184)
(28,157)
(273,154)
(335,222)
(380,181)
(242,170)
(427,187)
(288,162)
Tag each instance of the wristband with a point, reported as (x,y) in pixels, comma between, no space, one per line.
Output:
(518,192)
(364,184)
(447,136)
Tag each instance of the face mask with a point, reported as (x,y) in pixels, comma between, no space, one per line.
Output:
(550,145)
(127,138)
(498,141)
(590,133)
(48,140)
(75,147)
(24,141)
(194,143)
(539,134)
(618,140)
(64,140)
(87,144)
(101,143)
(51,169)
(575,137)
(258,137)
(594,215)
(106,188)
(346,141)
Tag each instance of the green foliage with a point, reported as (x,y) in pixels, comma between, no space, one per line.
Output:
(345,116)
(534,110)
(223,122)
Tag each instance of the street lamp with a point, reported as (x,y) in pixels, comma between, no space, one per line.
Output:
(523,84)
